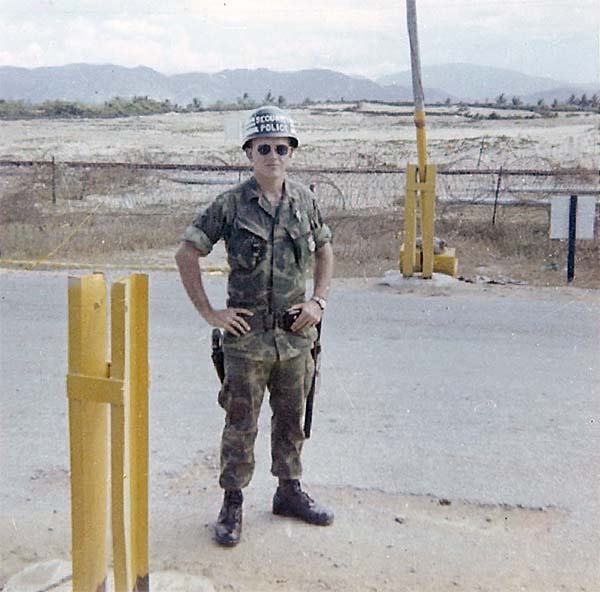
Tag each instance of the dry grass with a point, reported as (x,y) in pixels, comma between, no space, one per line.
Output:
(77,184)
(90,236)
(367,240)
(518,246)
(32,227)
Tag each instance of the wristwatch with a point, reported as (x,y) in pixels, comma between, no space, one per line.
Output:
(320,301)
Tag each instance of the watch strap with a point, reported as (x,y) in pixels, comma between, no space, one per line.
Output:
(320,301)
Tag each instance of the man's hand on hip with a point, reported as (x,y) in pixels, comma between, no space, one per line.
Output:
(230,319)
(310,315)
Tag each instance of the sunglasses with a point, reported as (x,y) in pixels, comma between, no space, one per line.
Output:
(281,149)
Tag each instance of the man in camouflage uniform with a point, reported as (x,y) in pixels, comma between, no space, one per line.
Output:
(273,231)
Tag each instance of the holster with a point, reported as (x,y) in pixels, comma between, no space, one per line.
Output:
(217,355)
(315,352)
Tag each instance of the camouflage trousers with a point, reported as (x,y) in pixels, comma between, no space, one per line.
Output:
(241,395)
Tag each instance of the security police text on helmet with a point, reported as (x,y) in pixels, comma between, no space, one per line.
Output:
(269,121)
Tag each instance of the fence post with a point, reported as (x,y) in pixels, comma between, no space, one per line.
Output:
(88,432)
(572,238)
(481,151)
(53,180)
(496,196)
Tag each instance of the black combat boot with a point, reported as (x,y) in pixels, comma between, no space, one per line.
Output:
(290,500)
(228,528)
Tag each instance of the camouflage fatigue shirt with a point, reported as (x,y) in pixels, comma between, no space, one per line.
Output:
(269,251)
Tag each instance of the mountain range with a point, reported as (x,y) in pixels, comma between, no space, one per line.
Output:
(90,83)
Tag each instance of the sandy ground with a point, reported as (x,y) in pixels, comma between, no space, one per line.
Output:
(330,135)
(379,542)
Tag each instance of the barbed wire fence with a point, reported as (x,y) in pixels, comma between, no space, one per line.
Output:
(52,208)
(148,187)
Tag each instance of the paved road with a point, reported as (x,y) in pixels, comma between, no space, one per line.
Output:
(488,396)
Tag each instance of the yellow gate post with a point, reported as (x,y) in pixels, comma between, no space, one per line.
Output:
(129,434)
(408,249)
(419,193)
(88,433)
(425,188)
(420,182)
(122,385)
(427,218)
(138,430)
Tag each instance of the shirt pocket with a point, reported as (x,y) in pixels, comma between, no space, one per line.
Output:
(247,246)
(303,241)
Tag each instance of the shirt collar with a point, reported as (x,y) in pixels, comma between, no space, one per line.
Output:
(254,192)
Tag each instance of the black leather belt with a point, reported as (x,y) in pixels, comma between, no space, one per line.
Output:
(261,321)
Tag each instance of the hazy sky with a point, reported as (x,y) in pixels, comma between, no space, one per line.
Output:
(553,38)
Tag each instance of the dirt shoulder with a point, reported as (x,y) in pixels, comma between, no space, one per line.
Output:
(378,542)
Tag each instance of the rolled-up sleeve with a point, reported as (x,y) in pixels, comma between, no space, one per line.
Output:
(207,227)
(322,233)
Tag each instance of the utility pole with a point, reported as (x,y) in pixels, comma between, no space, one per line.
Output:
(420,182)
(417,84)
